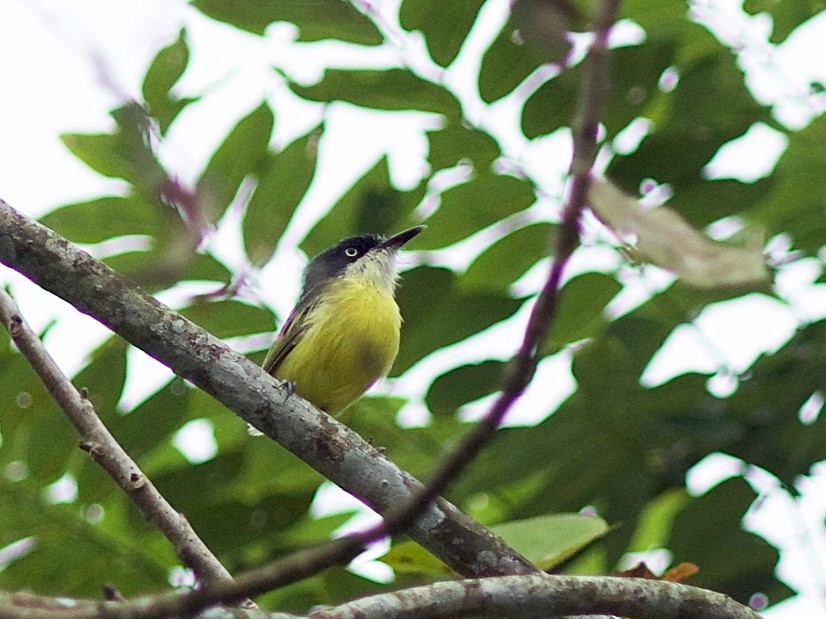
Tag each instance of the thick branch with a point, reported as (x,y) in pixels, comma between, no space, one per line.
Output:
(334,450)
(525,597)
(539,596)
(96,439)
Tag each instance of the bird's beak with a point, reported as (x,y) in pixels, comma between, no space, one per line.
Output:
(395,242)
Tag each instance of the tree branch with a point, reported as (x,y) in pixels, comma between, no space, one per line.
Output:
(331,448)
(524,596)
(102,447)
(540,596)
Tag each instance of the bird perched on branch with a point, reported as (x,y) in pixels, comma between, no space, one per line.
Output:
(343,334)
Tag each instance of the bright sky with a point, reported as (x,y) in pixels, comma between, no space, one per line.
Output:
(66,64)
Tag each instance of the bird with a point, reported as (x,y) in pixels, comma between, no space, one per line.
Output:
(343,334)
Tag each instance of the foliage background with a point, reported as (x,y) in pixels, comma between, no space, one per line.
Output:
(473,139)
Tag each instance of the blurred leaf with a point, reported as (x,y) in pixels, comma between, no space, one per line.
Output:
(166,69)
(785,16)
(509,258)
(389,89)
(581,310)
(657,520)
(410,558)
(372,205)
(767,403)
(229,318)
(281,186)
(436,313)
(203,267)
(413,449)
(795,201)
(462,385)
(316,19)
(69,555)
(331,587)
(125,154)
(708,533)
(512,57)
(211,496)
(635,75)
(661,19)
(684,128)
(104,218)
(152,424)
(469,207)
(444,25)
(28,414)
(546,541)
(243,152)
(456,142)
(549,108)
(711,200)
(103,378)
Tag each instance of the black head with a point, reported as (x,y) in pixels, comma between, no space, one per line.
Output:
(334,261)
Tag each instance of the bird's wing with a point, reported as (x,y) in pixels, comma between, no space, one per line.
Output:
(290,335)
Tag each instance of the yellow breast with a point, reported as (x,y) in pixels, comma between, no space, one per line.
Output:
(351,341)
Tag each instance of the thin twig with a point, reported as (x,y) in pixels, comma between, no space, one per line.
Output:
(520,370)
(102,447)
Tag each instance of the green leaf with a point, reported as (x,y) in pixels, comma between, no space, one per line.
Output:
(203,267)
(437,313)
(679,130)
(29,414)
(708,533)
(166,69)
(785,16)
(657,520)
(69,554)
(104,379)
(243,152)
(444,25)
(765,408)
(104,218)
(550,107)
(581,310)
(316,19)
(456,142)
(474,205)
(711,200)
(512,57)
(281,186)
(372,205)
(390,89)
(795,202)
(635,92)
(410,558)
(230,318)
(462,385)
(546,541)
(125,154)
(509,258)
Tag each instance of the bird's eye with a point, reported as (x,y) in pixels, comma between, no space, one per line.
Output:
(351,252)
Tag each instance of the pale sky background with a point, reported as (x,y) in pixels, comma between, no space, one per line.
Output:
(64,65)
